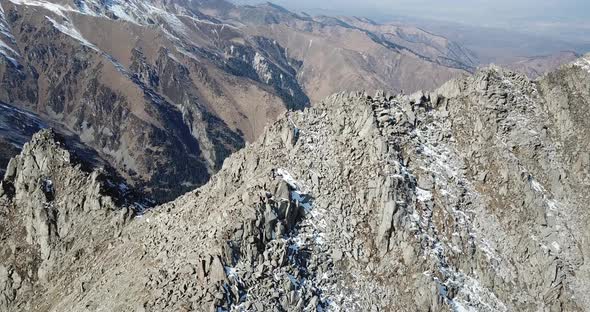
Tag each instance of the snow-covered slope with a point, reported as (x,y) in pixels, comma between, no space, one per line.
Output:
(7,40)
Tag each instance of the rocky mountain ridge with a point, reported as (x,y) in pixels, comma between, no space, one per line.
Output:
(164,91)
(467,198)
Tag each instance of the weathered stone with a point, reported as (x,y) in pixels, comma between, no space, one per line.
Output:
(386,225)
(337,255)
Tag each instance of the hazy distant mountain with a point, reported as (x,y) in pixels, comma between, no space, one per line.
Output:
(495,45)
(503,40)
(535,66)
(337,54)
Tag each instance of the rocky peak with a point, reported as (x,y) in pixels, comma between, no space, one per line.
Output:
(53,208)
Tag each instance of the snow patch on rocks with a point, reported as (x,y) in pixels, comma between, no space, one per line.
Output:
(583,63)
(68,29)
(58,9)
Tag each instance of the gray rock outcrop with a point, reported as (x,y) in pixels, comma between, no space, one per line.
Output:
(52,211)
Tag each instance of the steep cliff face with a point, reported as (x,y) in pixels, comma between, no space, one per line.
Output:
(469,197)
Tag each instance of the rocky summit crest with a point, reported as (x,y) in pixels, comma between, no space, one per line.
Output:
(469,197)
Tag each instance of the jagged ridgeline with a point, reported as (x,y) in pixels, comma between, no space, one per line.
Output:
(468,198)
(177,86)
